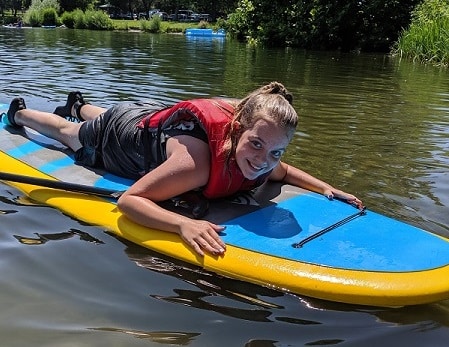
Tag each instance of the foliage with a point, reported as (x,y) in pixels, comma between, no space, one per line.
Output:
(202,25)
(90,19)
(322,24)
(68,19)
(32,17)
(40,5)
(347,25)
(427,38)
(97,20)
(71,5)
(430,11)
(42,12)
(49,16)
(240,23)
(79,19)
(152,26)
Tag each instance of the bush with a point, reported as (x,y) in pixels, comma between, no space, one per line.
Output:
(430,11)
(98,20)
(95,20)
(42,12)
(49,16)
(68,19)
(152,26)
(427,39)
(80,19)
(203,24)
(33,17)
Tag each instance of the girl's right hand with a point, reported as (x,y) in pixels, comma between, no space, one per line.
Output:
(203,236)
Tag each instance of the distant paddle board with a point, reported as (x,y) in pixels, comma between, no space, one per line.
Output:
(369,259)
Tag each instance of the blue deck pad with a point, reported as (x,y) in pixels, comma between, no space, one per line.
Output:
(110,181)
(56,165)
(24,150)
(368,243)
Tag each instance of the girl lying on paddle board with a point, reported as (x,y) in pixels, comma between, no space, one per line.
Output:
(217,146)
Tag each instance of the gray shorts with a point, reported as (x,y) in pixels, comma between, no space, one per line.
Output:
(114,142)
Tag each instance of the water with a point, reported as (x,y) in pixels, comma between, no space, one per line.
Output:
(370,125)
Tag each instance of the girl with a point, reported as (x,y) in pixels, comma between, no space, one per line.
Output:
(217,146)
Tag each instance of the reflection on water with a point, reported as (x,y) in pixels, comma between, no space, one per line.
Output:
(40,239)
(207,288)
(176,338)
(371,125)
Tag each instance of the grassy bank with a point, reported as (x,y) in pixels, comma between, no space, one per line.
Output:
(98,20)
(427,38)
(157,26)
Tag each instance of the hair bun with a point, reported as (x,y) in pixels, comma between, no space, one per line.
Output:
(278,88)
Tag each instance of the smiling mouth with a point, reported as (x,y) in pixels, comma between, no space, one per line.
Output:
(255,167)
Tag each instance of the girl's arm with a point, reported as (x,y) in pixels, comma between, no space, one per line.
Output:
(186,168)
(296,177)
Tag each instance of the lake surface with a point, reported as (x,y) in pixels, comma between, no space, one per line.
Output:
(371,125)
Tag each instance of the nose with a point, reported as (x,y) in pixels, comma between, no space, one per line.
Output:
(262,160)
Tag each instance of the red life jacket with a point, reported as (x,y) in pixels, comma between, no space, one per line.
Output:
(225,177)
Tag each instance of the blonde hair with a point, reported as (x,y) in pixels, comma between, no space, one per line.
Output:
(271,102)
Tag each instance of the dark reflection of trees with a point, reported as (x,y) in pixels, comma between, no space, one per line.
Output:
(41,239)
(244,298)
(240,294)
(196,299)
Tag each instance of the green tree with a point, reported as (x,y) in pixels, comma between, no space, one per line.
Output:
(70,5)
(40,5)
(322,24)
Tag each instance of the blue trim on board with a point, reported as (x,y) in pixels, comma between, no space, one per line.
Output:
(56,165)
(111,181)
(24,150)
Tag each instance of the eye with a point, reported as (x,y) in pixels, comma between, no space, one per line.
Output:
(277,154)
(256,144)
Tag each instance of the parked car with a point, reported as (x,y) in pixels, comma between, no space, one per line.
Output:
(152,12)
(184,16)
(162,15)
(120,15)
(205,17)
(130,15)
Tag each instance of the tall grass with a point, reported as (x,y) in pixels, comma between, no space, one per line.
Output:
(95,20)
(427,38)
(152,26)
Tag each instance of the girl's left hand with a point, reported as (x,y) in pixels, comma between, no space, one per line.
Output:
(339,194)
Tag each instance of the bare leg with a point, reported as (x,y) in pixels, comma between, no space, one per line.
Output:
(51,125)
(89,111)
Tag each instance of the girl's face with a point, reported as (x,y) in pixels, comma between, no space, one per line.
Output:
(260,148)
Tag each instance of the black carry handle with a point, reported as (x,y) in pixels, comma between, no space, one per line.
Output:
(362,212)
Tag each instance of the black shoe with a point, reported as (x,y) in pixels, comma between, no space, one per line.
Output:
(16,105)
(74,100)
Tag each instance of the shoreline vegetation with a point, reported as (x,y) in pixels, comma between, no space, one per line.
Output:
(99,20)
(425,39)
